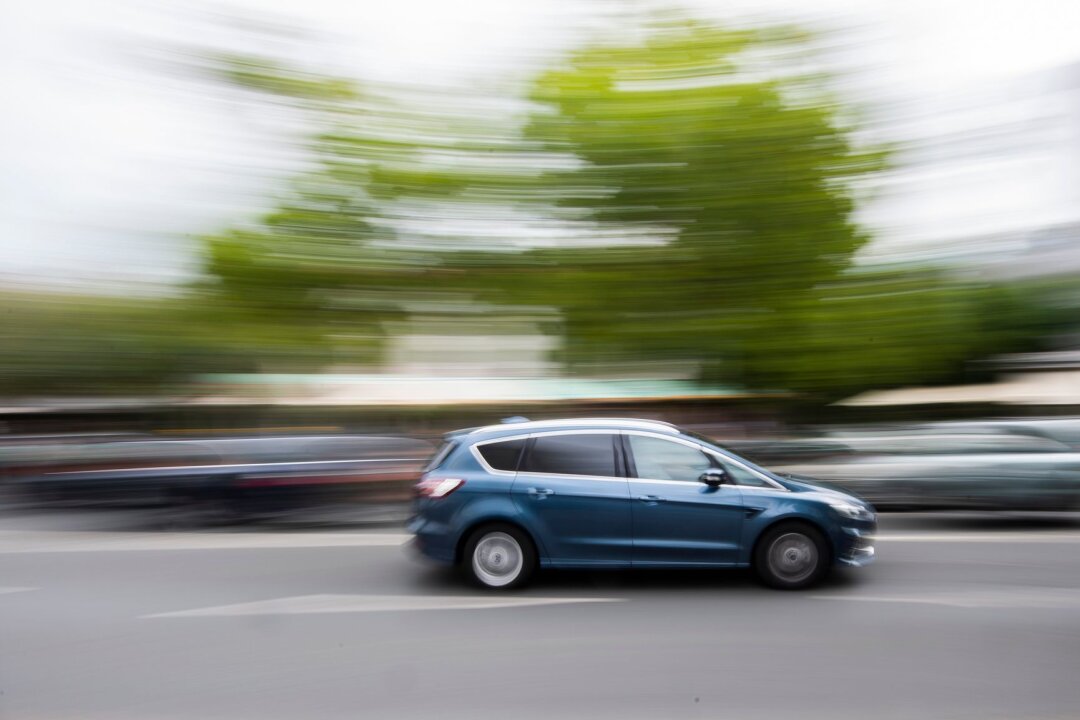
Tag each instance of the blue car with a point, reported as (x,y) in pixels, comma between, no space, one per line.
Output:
(504,500)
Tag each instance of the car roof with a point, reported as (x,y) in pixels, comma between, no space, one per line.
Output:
(520,428)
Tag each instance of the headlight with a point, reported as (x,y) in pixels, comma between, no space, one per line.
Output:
(853,511)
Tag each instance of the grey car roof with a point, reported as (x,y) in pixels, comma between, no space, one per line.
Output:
(520,428)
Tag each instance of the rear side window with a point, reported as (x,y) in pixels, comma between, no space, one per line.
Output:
(502,455)
(440,455)
(585,454)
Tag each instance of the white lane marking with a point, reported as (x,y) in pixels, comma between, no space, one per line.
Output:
(7,590)
(1043,598)
(988,536)
(317,604)
(71,542)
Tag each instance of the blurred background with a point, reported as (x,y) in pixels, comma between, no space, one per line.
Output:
(256,257)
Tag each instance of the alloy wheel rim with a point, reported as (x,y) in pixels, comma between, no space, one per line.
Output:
(793,557)
(497,559)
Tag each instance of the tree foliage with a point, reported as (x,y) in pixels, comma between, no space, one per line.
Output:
(701,185)
(717,167)
(742,165)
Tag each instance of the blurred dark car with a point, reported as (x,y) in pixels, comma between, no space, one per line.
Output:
(233,477)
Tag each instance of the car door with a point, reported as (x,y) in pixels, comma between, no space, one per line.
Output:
(573,493)
(677,519)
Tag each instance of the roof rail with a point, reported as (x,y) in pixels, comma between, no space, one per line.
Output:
(581,422)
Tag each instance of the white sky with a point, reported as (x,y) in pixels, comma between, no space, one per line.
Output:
(111,165)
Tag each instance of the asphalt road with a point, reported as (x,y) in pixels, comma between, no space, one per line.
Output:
(959,619)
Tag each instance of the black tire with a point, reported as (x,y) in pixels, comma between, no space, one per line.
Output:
(792,556)
(499,557)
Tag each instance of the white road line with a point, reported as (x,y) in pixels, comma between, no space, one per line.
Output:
(318,604)
(989,536)
(1042,598)
(71,542)
(7,590)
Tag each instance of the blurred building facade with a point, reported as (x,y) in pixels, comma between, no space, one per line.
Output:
(986,177)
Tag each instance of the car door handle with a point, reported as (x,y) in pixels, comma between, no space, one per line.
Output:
(540,493)
(650,499)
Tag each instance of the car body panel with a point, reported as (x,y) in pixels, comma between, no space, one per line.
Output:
(684,524)
(589,521)
(585,521)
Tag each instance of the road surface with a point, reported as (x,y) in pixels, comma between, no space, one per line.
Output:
(956,620)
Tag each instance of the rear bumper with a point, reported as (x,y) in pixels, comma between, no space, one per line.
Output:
(432,541)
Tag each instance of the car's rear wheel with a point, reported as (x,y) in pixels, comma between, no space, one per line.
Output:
(791,557)
(499,557)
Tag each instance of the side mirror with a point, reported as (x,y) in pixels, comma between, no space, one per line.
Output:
(715,477)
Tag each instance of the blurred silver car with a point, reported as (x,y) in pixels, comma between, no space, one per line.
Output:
(930,470)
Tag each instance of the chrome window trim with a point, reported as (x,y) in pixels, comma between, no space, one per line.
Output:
(682,483)
(770,483)
(601,478)
(484,463)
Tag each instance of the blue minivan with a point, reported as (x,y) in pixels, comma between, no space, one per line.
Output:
(503,500)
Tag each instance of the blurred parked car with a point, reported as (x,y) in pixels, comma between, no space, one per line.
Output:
(235,477)
(925,469)
(1064,430)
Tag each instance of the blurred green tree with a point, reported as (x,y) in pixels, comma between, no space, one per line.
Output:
(64,344)
(722,148)
(725,159)
(360,239)
(680,200)
(301,267)
(708,178)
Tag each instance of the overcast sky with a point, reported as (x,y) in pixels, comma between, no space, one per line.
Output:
(111,164)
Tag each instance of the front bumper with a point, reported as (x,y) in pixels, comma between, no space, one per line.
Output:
(857,548)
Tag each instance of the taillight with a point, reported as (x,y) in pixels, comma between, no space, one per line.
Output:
(437,487)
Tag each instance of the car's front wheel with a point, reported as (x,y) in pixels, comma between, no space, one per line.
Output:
(499,557)
(791,557)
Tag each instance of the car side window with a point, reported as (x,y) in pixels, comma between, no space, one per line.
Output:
(582,454)
(659,459)
(502,455)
